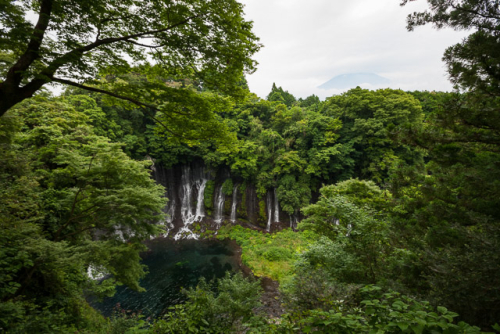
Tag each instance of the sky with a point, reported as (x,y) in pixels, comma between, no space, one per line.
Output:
(308,42)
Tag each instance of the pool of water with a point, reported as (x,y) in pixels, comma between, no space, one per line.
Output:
(173,266)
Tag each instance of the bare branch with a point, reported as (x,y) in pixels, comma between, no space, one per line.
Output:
(144,45)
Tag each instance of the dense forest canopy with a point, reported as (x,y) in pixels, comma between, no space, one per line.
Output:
(78,42)
(397,191)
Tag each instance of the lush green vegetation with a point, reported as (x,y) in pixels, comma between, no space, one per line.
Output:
(398,190)
(61,187)
(270,255)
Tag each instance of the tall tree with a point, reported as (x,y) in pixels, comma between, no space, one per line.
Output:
(68,199)
(74,41)
(455,206)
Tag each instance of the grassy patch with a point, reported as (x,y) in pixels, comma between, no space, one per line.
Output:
(270,255)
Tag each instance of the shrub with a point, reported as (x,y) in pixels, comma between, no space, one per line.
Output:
(277,254)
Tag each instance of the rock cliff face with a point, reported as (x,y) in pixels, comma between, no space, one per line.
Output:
(199,195)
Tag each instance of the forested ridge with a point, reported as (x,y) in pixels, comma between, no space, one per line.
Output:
(397,193)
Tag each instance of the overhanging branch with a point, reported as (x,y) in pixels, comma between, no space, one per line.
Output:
(31,54)
(143,105)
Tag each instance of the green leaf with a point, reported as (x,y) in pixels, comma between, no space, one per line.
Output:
(403,326)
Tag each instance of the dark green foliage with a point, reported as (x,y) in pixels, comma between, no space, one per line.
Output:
(408,183)
(312,102)
(430,101)
(279,95)
(227,187)
(316,289)
(377,312)
(449,214)
(209,195)
(224,306)
(59,212)
(476,259)
(369,118)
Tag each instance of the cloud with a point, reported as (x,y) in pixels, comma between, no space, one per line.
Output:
(308,43)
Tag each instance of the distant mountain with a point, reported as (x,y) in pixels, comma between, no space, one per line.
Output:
(351,80)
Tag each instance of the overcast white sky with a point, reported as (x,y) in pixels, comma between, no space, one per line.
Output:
(307,42)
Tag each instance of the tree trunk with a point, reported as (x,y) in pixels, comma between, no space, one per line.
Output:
(10,96)
(8,99)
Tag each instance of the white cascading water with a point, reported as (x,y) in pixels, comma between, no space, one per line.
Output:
(219,206)
(95,273)
(269,211)
(186,205)
(170,217)
(234,203)
(200,204)
(294,220)
(276,207)
(187,215)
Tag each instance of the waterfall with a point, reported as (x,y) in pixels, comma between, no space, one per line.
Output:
(96,273)
(234,203)
(269,211)
(186,202)
(200,204)
(294,220)
(219,205)
(197,180)
(276,207)
(165,178)
(170,212)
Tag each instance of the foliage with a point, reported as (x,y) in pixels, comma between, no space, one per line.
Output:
(227,187)
(270,255)
(279,95)
(316,289)
(209,195)
(73,41)
(448,214)
(220,307)
(408,183)
(377,312)
(358,240)
(368,119)
(61,212)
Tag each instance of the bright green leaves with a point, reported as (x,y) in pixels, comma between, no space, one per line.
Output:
(280,95)
(245,161)
(184,118)
(78,41)
(370,119)
(76,200)
(270,255)
(346,213)
(289,162)
(192,117)
(294,192)
(90,183)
